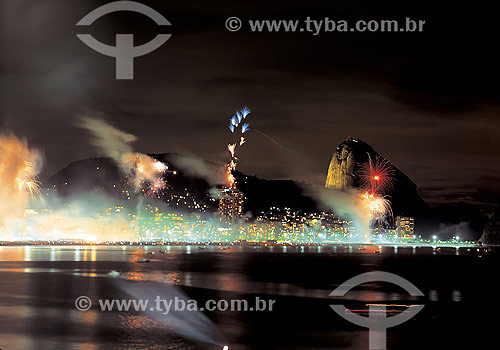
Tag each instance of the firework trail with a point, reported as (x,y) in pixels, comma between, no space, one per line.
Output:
(18,176)
(269,138)
(235,124)
(144,173)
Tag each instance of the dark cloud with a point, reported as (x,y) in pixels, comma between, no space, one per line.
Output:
(428,101)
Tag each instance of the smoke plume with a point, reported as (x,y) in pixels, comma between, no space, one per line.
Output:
(194,166)
(345,203)
(116,144)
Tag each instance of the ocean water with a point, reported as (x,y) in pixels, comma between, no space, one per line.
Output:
(39,286)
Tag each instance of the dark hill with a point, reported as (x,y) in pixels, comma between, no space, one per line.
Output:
(102,174)
(448,220)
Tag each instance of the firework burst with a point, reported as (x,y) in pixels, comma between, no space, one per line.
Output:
(155,188)
(18,176)
(377,206)
(377,176)
(30,185)
(147,175)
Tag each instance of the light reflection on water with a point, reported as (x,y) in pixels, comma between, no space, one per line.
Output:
(39,285)
(63,253)
(121,253)
(222,281)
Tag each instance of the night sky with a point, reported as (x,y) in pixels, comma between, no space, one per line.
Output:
(427,101)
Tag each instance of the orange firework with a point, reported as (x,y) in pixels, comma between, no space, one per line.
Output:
(230,180)
(145,174)
(377,176)
(18,177)
(378,207)
(231,148)
(155,188)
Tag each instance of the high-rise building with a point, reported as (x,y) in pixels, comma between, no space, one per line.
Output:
(230,205)
(405,227)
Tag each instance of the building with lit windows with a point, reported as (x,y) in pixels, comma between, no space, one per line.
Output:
(230,205)
(405,227)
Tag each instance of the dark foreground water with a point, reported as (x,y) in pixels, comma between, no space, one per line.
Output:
(39,285)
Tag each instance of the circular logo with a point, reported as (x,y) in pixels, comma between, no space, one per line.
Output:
(233,24)
(375,322)
(83,303)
